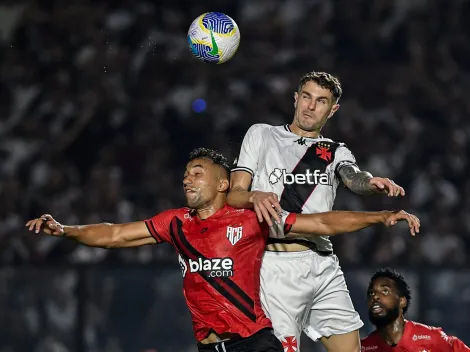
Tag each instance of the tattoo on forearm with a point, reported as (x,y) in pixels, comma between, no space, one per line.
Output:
(355,179)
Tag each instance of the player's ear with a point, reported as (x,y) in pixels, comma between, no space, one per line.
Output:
(224,185)
(334,108)
(296,96)
(403,302)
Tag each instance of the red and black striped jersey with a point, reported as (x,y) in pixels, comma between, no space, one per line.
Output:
(220,259)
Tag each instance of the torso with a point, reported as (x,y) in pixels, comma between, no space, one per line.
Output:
(301,171)
(220,258)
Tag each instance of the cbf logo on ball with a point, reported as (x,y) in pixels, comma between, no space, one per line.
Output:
(214,37)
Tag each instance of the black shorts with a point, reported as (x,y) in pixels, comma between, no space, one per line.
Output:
(261,341)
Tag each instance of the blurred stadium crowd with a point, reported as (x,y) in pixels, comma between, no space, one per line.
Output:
(101,102)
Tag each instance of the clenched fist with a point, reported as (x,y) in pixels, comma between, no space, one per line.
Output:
(47,224)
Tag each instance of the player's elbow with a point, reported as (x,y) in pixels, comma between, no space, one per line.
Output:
(325,230)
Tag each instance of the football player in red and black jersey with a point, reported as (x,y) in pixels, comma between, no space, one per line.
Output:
(389,297)
(220,250)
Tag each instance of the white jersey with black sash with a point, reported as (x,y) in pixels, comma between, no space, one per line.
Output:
(301,171)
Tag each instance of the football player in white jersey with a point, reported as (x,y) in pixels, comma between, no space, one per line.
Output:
(293,167)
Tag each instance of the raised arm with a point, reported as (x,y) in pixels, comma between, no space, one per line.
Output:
(362,182)
(103,235)
(338,222)
(239,195)
(265,204)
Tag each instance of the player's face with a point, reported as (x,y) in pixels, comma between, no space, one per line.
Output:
(314,105)
(200,183)
(384,302)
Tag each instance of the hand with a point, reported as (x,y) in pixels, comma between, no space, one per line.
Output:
(266,204)
(46,223)
(413,221)
(385,185)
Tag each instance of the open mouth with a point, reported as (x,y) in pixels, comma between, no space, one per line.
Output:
(189,191)
(376,308)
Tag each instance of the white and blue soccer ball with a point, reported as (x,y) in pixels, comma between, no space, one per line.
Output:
(214,37)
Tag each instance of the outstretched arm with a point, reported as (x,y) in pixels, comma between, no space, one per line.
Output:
(338,222)
(362,182)
(103,235)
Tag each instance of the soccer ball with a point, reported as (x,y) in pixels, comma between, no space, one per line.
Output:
(214,37)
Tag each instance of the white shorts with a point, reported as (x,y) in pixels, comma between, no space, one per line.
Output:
(306,291)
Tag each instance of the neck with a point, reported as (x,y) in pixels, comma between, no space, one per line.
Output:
(211,208)
(302,133)
(393,332)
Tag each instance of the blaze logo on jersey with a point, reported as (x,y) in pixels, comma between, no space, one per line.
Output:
(234,234)
(183,266)
(289,343)
(213,267)
(309,178)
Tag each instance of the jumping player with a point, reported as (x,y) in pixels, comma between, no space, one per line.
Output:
(388,298)
(293,167)
(220,250)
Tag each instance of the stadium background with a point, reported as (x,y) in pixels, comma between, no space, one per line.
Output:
(99,109)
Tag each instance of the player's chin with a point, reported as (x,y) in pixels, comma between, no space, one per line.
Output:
(192,200)
(373,314)
(307,123)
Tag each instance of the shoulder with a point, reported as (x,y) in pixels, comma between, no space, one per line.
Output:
(328,142)
(259,128)
(423,331)
(245,217)
(241,213)
(342,155)
(371,342)
(427,334)
(183,214)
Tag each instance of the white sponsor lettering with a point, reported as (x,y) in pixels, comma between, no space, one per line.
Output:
(214,267)
(311,178)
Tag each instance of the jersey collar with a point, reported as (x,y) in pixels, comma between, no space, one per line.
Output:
(219,213)
(287,128)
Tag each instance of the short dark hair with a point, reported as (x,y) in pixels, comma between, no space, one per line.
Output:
(401,285)
(216,157)
(324,80)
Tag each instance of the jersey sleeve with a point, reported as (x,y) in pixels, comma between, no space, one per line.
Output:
(343,157)
(159,225)
(249,152)
(450,343)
